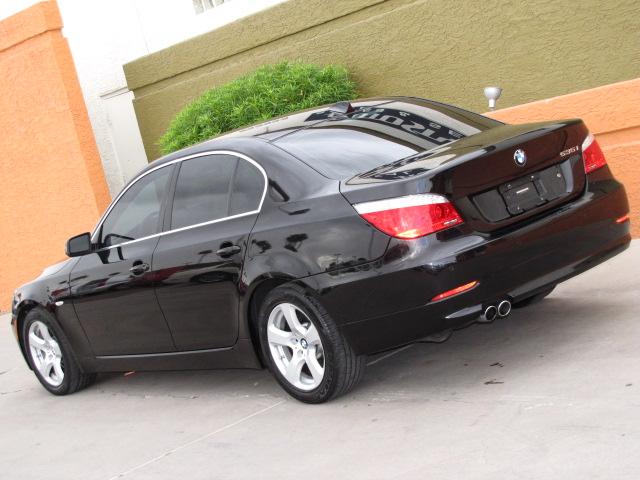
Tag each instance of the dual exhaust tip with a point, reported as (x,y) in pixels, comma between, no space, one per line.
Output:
(501,309)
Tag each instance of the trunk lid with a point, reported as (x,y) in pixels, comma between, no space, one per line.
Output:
(494,178)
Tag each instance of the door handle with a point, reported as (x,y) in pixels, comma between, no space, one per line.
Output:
(139,268)
(228,251)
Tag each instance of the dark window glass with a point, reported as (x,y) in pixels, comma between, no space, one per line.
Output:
(341,146)
(248,187)
(137,213)
(341,153)
(202,190)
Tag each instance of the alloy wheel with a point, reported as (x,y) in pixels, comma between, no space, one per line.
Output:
(295,346)
(46,354)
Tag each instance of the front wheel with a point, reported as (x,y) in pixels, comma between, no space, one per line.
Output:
(50,355)
(304,349)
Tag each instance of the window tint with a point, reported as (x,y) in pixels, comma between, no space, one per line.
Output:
(137,212)
(341,146)
(202,190)
(248,186)
(341,153)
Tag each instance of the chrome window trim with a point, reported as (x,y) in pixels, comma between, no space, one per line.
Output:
(177,160)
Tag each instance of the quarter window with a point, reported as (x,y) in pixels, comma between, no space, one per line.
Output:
(137,212)
(248,187)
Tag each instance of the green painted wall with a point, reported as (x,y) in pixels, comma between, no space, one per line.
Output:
(445,50)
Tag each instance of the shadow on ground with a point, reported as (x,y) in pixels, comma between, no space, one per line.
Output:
(526,336)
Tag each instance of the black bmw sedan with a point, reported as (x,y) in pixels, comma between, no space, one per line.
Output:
(306,243)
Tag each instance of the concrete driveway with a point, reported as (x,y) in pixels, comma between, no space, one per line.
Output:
(551,392)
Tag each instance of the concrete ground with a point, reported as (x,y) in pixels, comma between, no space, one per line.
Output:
(551,392)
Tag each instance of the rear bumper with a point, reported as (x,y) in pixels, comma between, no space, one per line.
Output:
(386,303)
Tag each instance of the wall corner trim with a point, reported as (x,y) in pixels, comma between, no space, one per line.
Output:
(38,19)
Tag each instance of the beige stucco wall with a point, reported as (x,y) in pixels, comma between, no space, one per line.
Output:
(433,48)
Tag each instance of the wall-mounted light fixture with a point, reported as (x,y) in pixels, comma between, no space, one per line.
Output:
(492,94)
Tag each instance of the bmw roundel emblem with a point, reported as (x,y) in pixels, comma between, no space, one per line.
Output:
(520,157)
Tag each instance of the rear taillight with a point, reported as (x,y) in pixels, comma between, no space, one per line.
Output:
(592,154)
(410,217)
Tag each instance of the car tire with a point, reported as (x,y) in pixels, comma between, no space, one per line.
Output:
(294,353)
(50,356)
(534,298)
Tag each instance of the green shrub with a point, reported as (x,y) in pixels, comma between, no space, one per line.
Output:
(268,92)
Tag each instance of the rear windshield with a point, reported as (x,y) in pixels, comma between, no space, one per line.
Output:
(370,137)
(342,153)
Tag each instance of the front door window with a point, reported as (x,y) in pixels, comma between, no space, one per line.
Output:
(137,213)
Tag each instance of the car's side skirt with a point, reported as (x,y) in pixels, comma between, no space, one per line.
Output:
(241,355)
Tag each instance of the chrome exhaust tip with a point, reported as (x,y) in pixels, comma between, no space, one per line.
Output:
(490,313)
(504,308)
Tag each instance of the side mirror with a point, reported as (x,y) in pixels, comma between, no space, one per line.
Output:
(78,245)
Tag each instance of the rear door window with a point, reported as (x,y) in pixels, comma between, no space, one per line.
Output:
(202,190)
(214,187)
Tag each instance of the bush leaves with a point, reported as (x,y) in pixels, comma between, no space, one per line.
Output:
(268,92)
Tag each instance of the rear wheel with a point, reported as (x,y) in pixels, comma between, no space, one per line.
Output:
(50,355)
(304,349)
(534,298)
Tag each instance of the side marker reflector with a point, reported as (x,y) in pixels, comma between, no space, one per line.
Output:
(455,291)
(623,218)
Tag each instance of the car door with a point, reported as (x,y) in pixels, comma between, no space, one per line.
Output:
(199,258)
(113,287)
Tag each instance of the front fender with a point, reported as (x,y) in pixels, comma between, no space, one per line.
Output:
(19,310)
